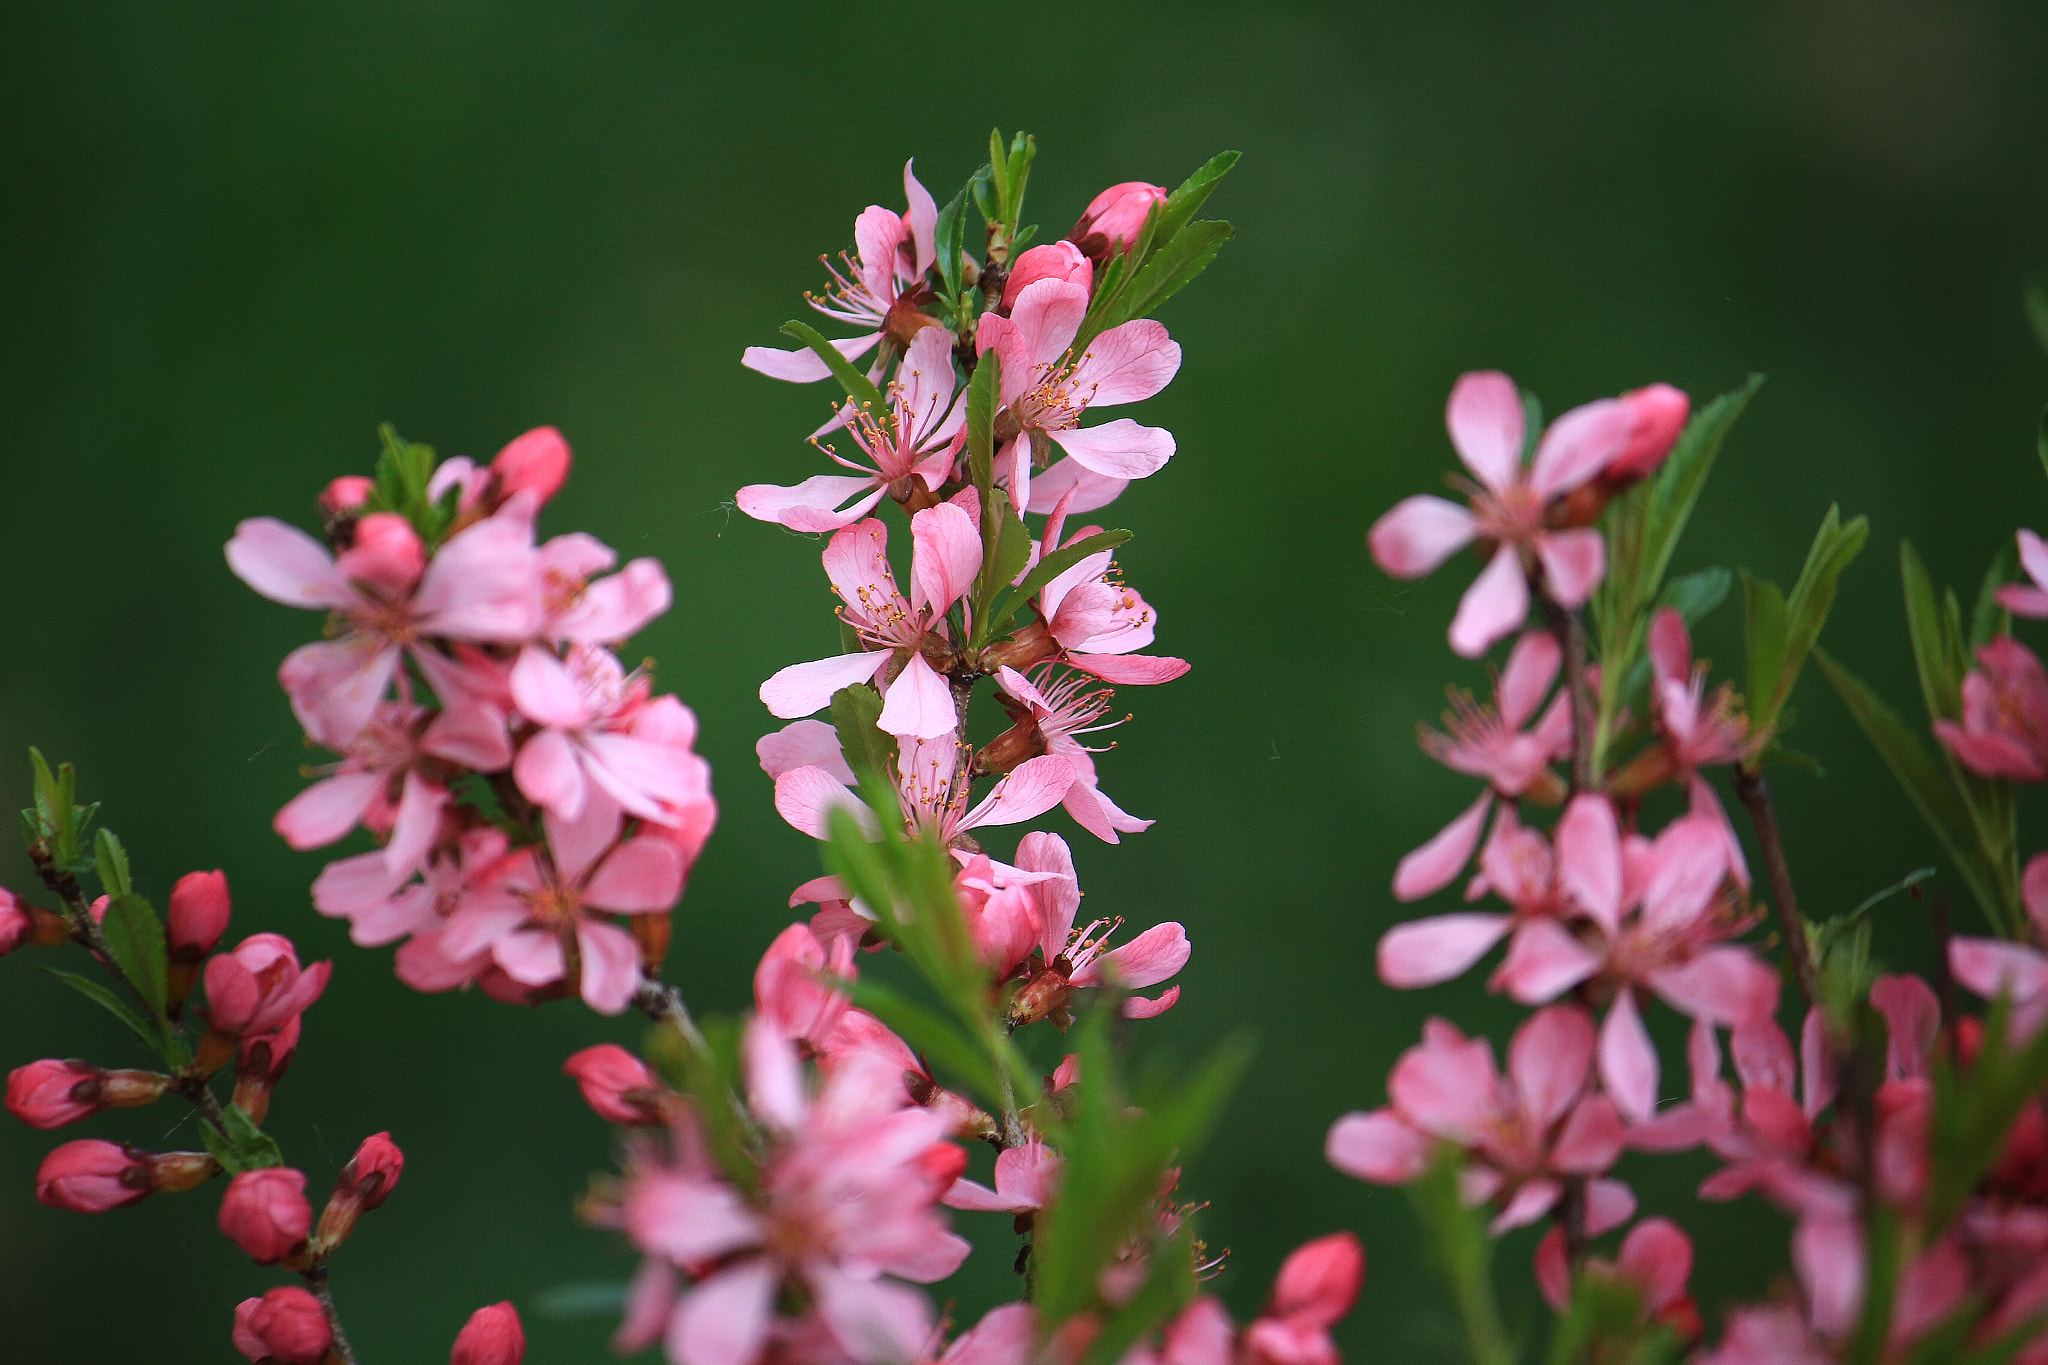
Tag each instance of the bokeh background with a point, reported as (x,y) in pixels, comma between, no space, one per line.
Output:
(237,237)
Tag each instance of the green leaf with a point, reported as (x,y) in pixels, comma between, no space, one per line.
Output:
(1924,782)
(1835,546)
(135,940)
(858,386)
(948,236)
(112,1004)
(1988,618)
(111,860)
(1940,683)
(1764,635)
(1169,270)
(221,1149)
(1463,1254)
(1678,483)
(1607,1313)
(581,1299)
(1696,594)
(2037,309)
(1006,549)
(984,392)
(1042,573)
(1182,205)
(1167,1289)
(867,749)
(256,1148)
(960,1062)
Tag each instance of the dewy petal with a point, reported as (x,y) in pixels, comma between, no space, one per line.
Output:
(919,704)
(1429,952)
(1547,1061)
(804,366)
(1543,962)
(1430,868)
(806,797)
(1418,534)
(611,966)
(1485,420)
(286,565)
(1495,604)
(1579,445)
(1122,449)
(725,1319)
(1531,668)
(1573,563)
(802,689)
(945,556)
(1628,1060)
(1589,859)
(1377,1147)
(1127,364)
(812,505)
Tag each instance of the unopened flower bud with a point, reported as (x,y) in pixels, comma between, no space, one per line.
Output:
(260,985)
(346,494)
(50,1094)
(536,462)
(1319,1280)
(260,1064)
(91,1176)
(199,912)
(15,924)
(1050,261)
(265,1213)
(616,1084)
(492,1336)
(386,554)
(287,1326)
(1113,219)
(1659,412)
(365,1183)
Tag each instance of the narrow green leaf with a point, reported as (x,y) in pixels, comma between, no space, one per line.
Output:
(947,237)
(1042,573)
(1463,1254)
(1696,594)
(2037,309)
(958,1058)
(866,747)
(1004,553)
(1168,1289)
(1835,547)
(1764,635)
(858,386)
(1940,685)
(1169,270)
(1924,782)
(222,1150)
(983,396)
(1186,201)
(1677,485)
(581,1299)
(135,940)
(112,1004)
(111,860)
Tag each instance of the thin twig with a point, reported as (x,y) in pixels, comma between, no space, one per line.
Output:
(316,1280)
(663,1004)
(1570,627)
(78,910)
(1755,794)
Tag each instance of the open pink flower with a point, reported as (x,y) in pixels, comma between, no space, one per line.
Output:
(796,985)
(379,911)
(578,607)
(548,901)
(601,733)
(933,787)
(1526,1132)
(945,559)
(2004,728)
(259,986)
(1093,622)
(1500,744)
(1026,1179)
(1518,866)
(1698,731)
(846,1207)
(479,586)
(1045,389)
(1655,1261)
(1071,958)
(1058,709)
(1511,506)
(874,288)
(1994,967)
(1655,920)
(920,444)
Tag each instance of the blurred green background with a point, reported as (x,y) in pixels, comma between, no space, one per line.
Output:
(239,236)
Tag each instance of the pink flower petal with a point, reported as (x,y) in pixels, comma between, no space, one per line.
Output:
(1547,1061)
(1589,859)
(804,366)
(806,797)
(1485,420)
(1377,1147)
(1429,869)
(1609,1204)
(286,565)
(1628,1060)
(802,689)
(945,556)
(1495,604)
(643,875)
(1418,534)
(1119,450)
(1657,1255)
(1032,788)
(1127,364)
(550,774)
(1724,985)
(1146,960)
(327,810)
(1573,562)
(725,1319)
(1531,668)
(1543,962)
(803,744)
(611,966)
(1580,444)
(532,957)
(1428,952)
(919,704)
(813,505)
(335,685)
(1130,670)
(544,691)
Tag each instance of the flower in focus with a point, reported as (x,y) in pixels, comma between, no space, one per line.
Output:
(1070,958)
(1090,620)
(933,786)
(1511,508)
(1114,219)
(1049,715)
(600,732)
(1527,1132)
(259,987)
(1051,261)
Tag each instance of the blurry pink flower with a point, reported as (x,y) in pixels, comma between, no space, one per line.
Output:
(1658,413)
(1526,1132)
(15,924)
(492,1336)
(1026,1179)
(287,1325)
(2004,727)
(1058,709)
(1517,865)
(2029,599)
(1078,958)
(535,463)
(1046,390)
(616,1084)
(551,898)
(265,1213)
(601,733)
(259,986)
(945,559)
(927,418)
(1114,219)
(1317,1284)
(1994,967)
(1700,731)
(49,1094)
(1493,743)
(578,607)
(1655,1261)
(876,288)
(479,586)
(1656,920)
(1510,507)
(794,988)
(1051,261)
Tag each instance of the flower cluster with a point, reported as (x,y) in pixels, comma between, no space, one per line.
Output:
(528,791)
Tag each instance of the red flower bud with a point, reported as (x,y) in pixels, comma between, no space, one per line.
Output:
(616,1084)
(287,1326)
(492,1336)
(346,494)
(365,1183)
(1050,261)
(90,1176)
(536,462)
(265,1213)
(1659,412)
(15,924)
(387,553)
(50,1094)
(259,986)
(261,1063)
(1319,1280)
(1113,219)
(199,912)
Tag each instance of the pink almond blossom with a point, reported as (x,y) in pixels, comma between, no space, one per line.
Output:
(259,986)
(933,787)
(1071,958)
(481,586)
(1527,1132)
(1655,1261)
(1511,507)
(1518,866)
(1091,620)
(1026,1179)
(1995,967)
(1316,1286)
(2004,727)
(579,607)
(796,986)
(1057,709)
(600,732)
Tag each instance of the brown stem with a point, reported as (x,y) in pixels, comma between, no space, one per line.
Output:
(316,1280)
(1570,628)
(78,910)
(663,1004)
(1755,794)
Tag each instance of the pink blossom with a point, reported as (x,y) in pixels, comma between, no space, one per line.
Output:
(1317,1284)
(1045,390)
(15,924)
(1071,958)
(1700,731)
(492,1336)
(551,899)
(912,453)
(1511,507)
(579,607)
(1658,413)
(933,787)
(49,1094)
(1994,967)
(2004,727)
(259,987)
(198,912)
(796,985)
(91,1176)
(616,1084)
(877,287)
(1517,865)
(1026,1179)
(1051,261)
(535,463)
(287,1325)
(1655,920)
(1526,1132)
(861,1040)
(1115,218)
(845,1208)
(1094,622)
(479,586)
(362,890)
(1655,1261)
(1497,743)
(945,559)
(600,732)
(265,1213)
(2029,599)
(1057,709)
